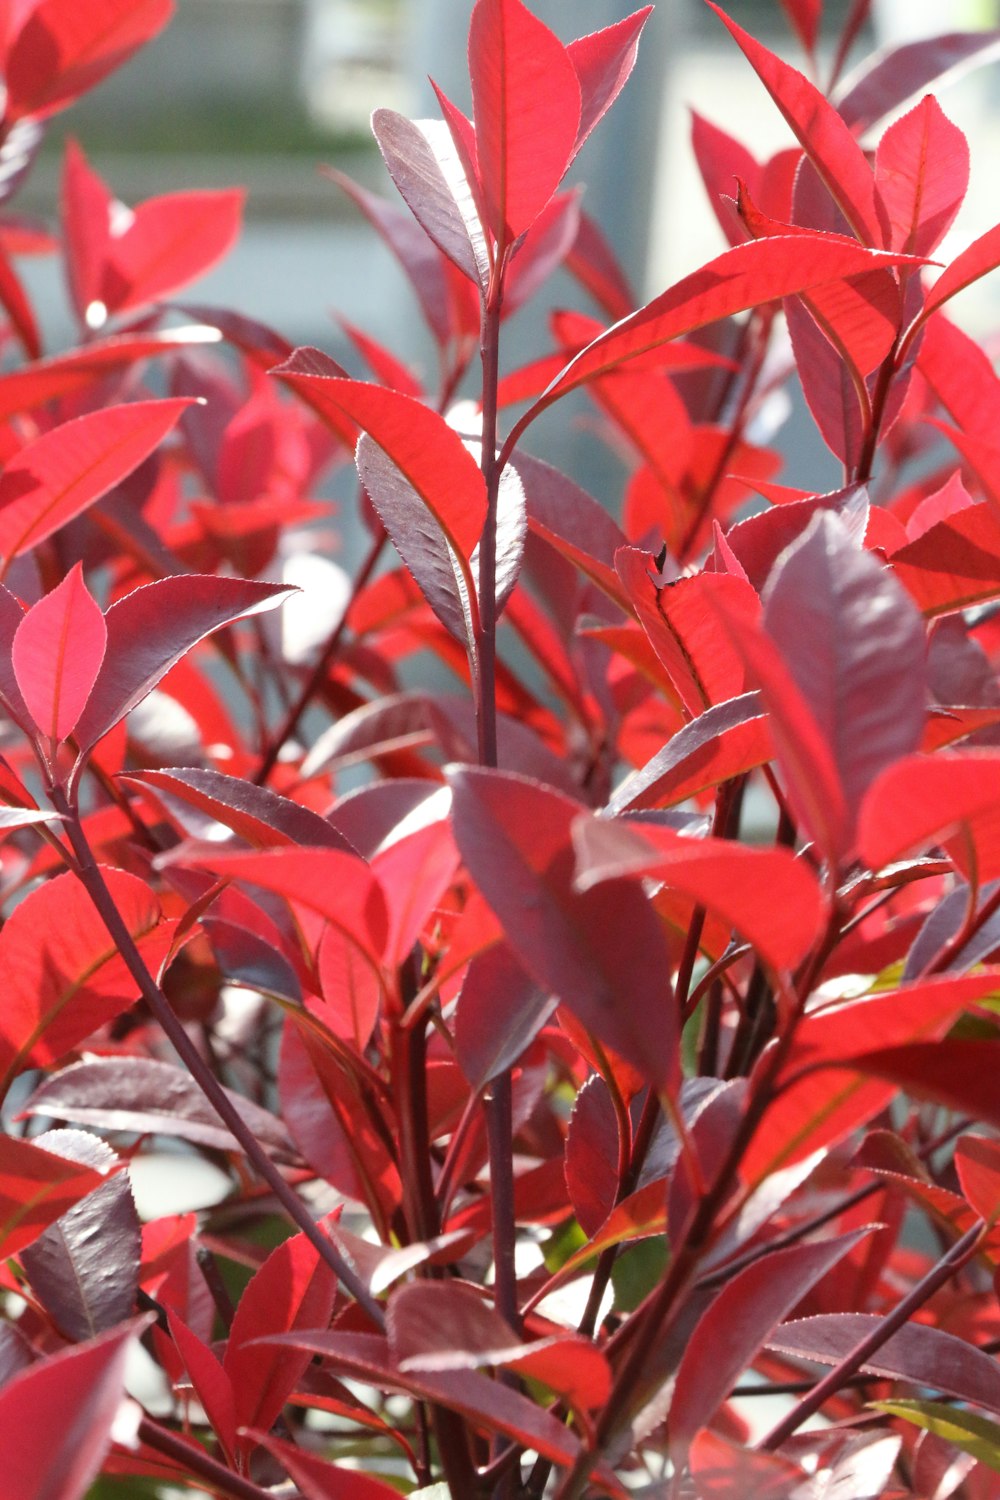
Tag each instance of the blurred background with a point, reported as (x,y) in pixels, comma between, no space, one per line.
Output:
(259,92)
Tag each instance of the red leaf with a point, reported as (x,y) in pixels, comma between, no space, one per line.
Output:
(600,951)
(18,308)
(593,1155)
(821,133)
(805,16)
(526,104)
(64,49)
(827,1089)
(723,742)
(65,374)
(856,648)
(57,653)
(603,61)
(58,475)
(768,895)
(86,206)
(36,1188)
(212,1386)
(572,521)
(681,623)
(723,162)
(169,241)
(147,1097)
(926,798)
(921,172)
(593,263)
(805,757)
(747,276)
(729,1335)
(722,1470)
(64,976)
(957,1074)
(56,1417)
(350,988)
(981,257)
(335,885)
(917,1353)
(293,1289)
(955,563)
(152,628)
(977,1161)
(428,453)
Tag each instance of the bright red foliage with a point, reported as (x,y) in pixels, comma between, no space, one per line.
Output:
(623,1047)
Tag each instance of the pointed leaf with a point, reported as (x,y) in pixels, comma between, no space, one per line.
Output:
(526,103)
(152,628)
(262,817)
(58,475)
(57,653)
(427,452)
(977,1161)
(292,1289)
(597,950)
(65,374)
(729,1335)
(169,242)
(146,1097)
(770,897)
(954,564)
(922,172)
(887,79)
(17,305)
(981,257)
(319,1480)
(924,798)
(85,1268)
(211,1384)
(63,50)
(56,1417)
(724,742)
(749,275)
(423,163)
(603,61)
(821,133)
(964,1430)
(918,1354)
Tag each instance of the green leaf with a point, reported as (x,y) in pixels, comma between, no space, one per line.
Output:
(972,1434)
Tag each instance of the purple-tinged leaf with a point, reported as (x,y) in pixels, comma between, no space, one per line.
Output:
(319,1480)
(84,1269)
(57,653)
(210,1383)
(886,80)
(152,628)
(146,1097)
(424,165)
(408,243)
(257,814)
(916,1353)
(500,1012)
(855,645)
(729,1335)
(573,522)
(600,951)
(593,1155)
(36,1188)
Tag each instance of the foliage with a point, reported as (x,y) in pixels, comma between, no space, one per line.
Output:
(614,1050)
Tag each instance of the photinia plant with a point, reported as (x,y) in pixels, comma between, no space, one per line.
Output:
(597,1047)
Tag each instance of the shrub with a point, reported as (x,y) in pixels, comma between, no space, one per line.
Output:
(624,1042)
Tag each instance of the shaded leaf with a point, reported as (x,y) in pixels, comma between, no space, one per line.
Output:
(725,741)
(36,1187)
(257,814)
(885,80)
(422,161)
(500,1012)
